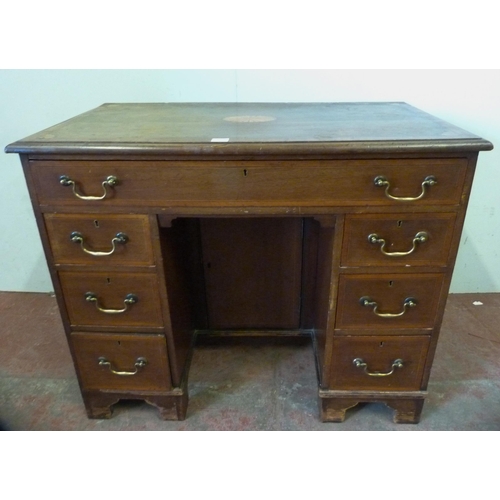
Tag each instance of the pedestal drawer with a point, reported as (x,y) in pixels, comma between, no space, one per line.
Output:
(397,240)
(388,301)
(124,300)
(378,363)
(266,182)
(122,362)
(97,239)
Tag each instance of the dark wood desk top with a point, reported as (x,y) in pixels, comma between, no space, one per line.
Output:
(250,128)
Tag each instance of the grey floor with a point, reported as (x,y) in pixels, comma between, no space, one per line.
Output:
(246,384)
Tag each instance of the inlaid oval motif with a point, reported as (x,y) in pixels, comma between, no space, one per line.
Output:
(249,119)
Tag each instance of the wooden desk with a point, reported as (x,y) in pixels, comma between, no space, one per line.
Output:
(342,221)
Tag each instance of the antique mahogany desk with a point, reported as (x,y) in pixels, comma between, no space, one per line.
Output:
(341,221)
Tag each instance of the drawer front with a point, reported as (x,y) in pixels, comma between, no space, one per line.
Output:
(388,301)
(378,363)
(271,183)
(121,363)
(126,299)
(97,239)
(397,240)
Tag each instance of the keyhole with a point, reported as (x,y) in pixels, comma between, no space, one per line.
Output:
(119,342)
(391,283)
(96,223)
(108,280)
(245,172)
(381,344)
(400,223)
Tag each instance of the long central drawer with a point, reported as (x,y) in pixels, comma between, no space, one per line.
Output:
(271,183)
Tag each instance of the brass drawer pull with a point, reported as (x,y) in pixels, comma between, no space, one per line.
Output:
(381,181)
(359,363)
(368,302)
(139,363)
(128,301)
(77,237)
(110,181)
(420,237)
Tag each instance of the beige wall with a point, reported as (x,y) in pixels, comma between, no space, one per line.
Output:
(31,100)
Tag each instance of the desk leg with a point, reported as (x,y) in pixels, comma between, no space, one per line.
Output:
(333,410)
(406,410)
(171,406)
(98,405)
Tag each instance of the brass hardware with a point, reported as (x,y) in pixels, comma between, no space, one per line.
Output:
(420,237)
(368,302)
(128,301)
(359,363)
(381,181)
(110,181)
(139,363)
(77,237)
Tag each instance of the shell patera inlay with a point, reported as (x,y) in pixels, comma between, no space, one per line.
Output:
(249,119)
